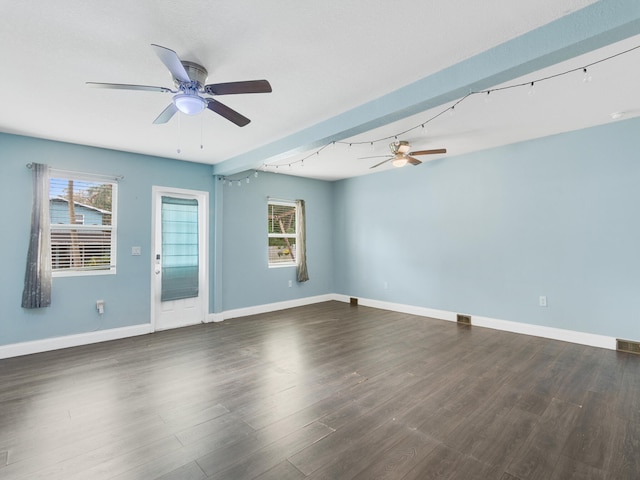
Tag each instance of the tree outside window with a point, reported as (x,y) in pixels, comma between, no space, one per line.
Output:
(282,233)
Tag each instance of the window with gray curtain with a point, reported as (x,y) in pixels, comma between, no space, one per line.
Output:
(37,281)
(287,236)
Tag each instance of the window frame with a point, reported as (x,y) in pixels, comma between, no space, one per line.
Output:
(284,203)
(112,228)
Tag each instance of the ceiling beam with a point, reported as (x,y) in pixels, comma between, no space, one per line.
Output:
(595,26)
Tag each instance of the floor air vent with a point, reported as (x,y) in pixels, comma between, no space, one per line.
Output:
(628,346)
(464,319)
(353,302)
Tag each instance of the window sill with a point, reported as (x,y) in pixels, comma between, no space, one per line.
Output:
(86,273)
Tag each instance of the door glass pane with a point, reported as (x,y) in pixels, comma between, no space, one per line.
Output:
(179,248)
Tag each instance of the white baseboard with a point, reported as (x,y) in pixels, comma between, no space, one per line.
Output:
(215,317)
(56,343)
(273,307)
(48,344)
(582,338)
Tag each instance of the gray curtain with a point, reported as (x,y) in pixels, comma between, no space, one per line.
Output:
(37,279)
(301,248)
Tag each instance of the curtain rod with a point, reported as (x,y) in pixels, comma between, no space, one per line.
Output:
(276,199)
(71,172)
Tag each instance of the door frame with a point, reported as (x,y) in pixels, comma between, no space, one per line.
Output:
(203,251)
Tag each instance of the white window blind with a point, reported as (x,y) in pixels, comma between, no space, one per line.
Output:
(282,233)
(83,223)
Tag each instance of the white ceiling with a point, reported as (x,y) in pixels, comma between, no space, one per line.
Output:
(321,58)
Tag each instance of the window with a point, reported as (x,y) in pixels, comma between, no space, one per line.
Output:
(86,244)
(283,233)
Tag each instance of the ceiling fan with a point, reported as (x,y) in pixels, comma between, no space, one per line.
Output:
(401,154)
(189,79)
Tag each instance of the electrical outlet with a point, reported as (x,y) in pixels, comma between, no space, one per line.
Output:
(290,283)
(100,306)
(542,301)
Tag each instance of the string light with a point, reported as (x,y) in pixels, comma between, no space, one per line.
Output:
(239,180)
(451,109)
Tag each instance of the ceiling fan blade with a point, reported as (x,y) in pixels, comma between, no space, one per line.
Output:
(428,152)
(381,163)
(249,86)
(166,114)
(125,86)
(412,161)
(172,62)
(376,156)
(228,113)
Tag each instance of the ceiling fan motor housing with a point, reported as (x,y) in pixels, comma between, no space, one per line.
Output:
(401,146)
(197,73)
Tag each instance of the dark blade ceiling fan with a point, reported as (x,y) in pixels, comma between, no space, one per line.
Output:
(401,154)
(189,79)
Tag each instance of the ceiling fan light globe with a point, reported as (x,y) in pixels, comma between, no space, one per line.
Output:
(189,104)
(399,162)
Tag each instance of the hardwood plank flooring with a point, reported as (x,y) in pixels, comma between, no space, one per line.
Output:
(327,391)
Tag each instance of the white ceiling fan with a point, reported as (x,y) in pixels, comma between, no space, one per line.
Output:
(189,79)
(401,154)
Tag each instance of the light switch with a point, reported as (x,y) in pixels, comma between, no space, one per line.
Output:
(136,250)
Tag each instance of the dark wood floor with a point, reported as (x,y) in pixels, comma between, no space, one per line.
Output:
(327,391)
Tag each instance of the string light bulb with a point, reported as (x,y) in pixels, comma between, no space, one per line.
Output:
(586,78)
(532,90)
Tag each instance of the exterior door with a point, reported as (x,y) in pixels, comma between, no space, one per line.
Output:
(179,284)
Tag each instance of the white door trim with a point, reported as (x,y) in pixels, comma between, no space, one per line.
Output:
(203,220)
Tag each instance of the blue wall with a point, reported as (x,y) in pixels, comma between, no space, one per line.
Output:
(247,279)
(488,233)
(126,294)
(485,233)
